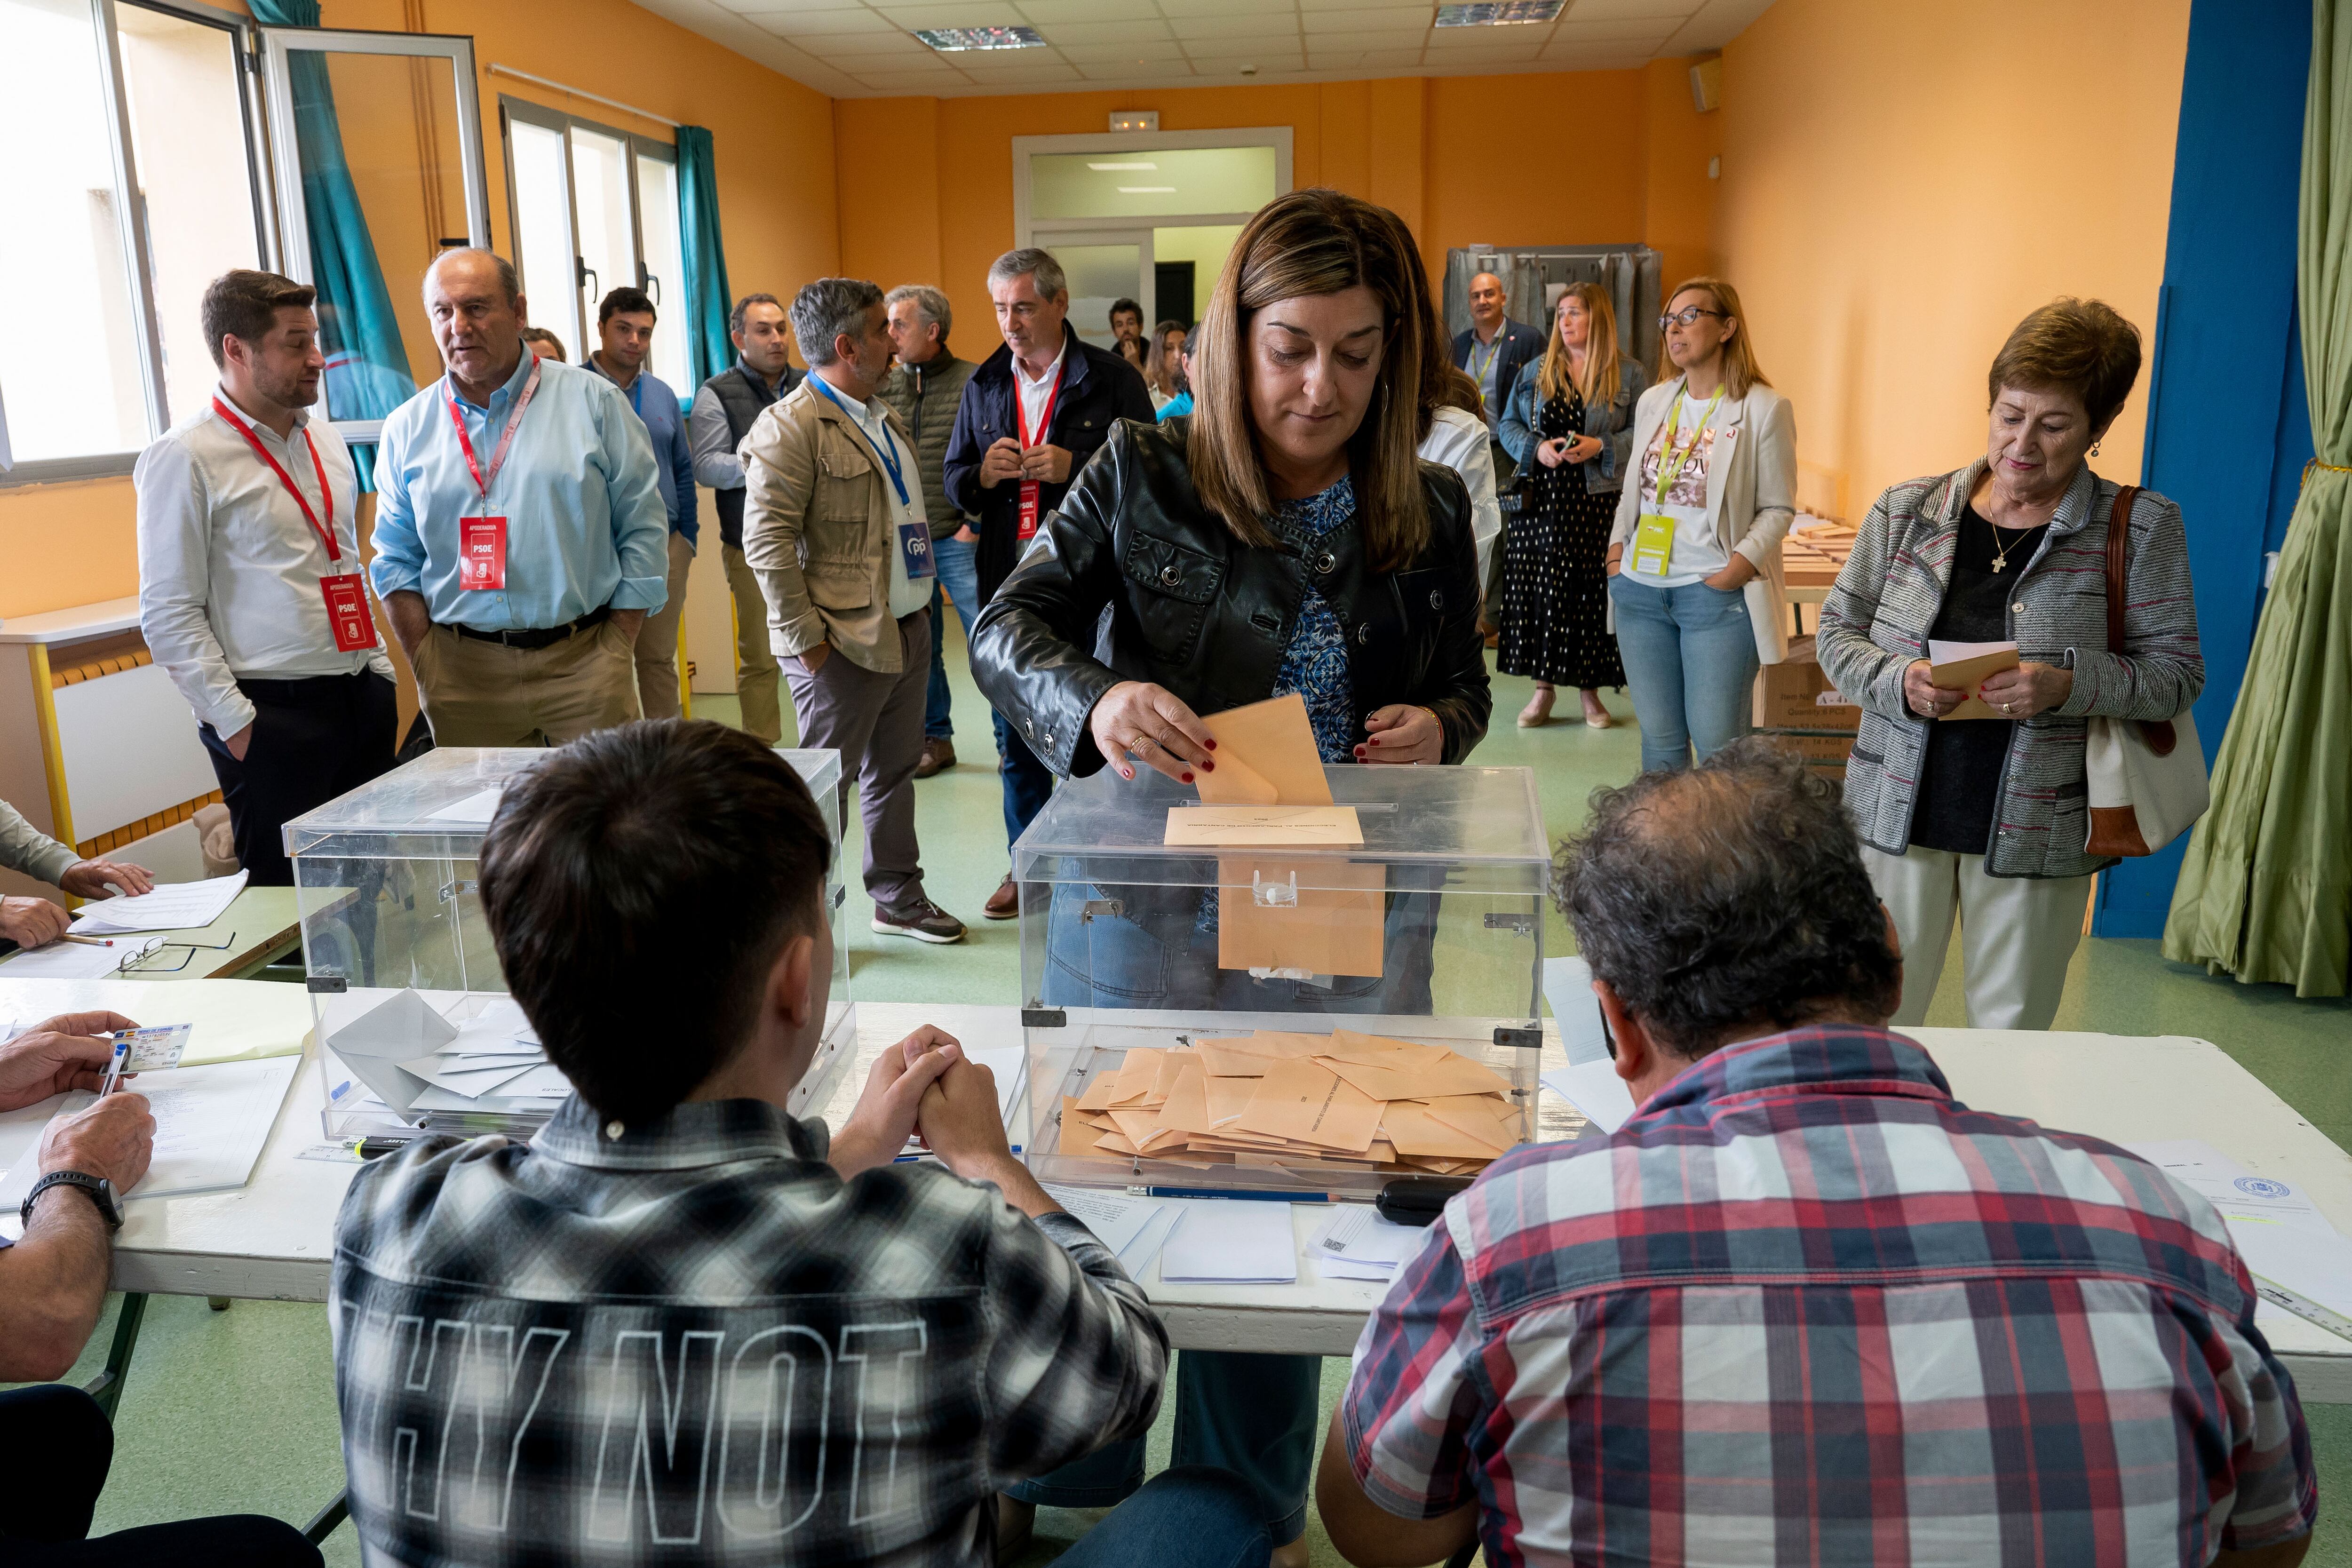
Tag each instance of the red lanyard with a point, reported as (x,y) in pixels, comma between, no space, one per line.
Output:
(498,459)
(327,535)
(1044,415)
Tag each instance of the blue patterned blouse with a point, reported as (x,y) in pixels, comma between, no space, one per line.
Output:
(1316,663)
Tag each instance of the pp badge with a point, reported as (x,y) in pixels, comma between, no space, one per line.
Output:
(915,548)
(481,552)
(1653,544)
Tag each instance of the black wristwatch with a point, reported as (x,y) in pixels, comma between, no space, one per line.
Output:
(101,1191)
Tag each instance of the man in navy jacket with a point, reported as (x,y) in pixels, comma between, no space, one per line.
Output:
(1031,416)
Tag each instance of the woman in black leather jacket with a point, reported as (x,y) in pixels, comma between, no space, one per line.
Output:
(1283,537)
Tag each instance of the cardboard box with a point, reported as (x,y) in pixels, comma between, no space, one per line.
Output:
(1818,751)
(1796,695)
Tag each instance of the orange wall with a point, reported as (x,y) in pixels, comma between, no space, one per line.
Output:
(69,544)
(1447,153)
(1902,182)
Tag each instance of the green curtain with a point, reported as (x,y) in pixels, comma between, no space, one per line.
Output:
(2265,893)
(367,366)
(708,300)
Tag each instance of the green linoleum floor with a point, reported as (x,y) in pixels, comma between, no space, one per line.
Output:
(234,1411)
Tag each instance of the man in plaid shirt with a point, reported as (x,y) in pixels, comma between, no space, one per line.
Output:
(1804,1307)
(680,1326)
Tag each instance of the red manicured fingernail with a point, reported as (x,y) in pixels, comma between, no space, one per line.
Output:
(1375,741)
(1188,778)
(1212,745)
(1208,767)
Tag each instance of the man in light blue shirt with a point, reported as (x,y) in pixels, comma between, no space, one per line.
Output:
(625,330)
(519,532)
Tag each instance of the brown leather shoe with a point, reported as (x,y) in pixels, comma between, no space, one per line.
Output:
(1005,902)
(939,754)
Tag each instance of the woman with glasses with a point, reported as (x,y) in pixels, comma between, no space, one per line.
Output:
(1694,557)
(1569,427)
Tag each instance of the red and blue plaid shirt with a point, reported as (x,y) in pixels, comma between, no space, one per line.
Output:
(1807,1308)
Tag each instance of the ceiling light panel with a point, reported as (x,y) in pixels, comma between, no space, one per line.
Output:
(1499,13)
(948,40)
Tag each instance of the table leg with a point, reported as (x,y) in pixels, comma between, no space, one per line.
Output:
(107,1386)
(325,1523)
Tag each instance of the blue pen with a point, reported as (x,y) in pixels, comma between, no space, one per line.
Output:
(1215,1192)
(114,1068)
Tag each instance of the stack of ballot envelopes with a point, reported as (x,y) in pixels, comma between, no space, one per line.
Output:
(485,1062)
(1276,1100)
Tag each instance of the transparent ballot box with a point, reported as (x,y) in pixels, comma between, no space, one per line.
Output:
(386,882)
(1267,1005)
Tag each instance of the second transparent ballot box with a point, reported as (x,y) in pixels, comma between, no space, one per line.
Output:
(1309,999)
(387,884)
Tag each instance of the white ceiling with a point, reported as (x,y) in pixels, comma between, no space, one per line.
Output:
(866,48)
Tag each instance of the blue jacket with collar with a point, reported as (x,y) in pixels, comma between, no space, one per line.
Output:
(1097,387)
(1520,343)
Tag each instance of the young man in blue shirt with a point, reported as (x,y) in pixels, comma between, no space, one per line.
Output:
(624,332)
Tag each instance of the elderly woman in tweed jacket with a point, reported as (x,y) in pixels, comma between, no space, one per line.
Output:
(1989,816)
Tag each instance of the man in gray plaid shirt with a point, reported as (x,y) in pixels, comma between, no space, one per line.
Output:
(680,1326)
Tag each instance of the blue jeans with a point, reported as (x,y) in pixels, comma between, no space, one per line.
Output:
(959,576)
(1690,667)
(1253,1415)
(1191,1518)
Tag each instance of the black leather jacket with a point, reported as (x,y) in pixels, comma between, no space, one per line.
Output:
(1195,610)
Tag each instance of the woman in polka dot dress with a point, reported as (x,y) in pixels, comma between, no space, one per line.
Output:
(1569,427)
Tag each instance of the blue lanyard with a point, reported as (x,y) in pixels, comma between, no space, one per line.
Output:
(890,463)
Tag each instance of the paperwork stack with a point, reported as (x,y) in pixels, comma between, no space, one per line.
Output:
(1371,917)
(387,883)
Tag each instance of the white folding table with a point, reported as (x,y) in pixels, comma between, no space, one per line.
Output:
(274,1239)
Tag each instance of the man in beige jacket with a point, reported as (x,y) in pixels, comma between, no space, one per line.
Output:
(834,526)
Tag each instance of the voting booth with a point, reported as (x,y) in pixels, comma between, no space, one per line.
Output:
(1318,999)
(405,988)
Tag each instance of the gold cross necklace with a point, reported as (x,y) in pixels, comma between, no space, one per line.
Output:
(2002,547)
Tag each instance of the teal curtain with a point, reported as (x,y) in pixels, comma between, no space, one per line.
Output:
(2265,893)
(367,366)
(708,300)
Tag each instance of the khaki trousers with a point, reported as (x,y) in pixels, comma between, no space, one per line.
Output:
(2017,935)
(755,661)
(876,722)
(657,684)
(480,693)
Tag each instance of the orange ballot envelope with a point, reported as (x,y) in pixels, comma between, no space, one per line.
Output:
(1305,916)
(1964,666)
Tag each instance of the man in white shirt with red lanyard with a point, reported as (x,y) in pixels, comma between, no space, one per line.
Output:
(251,593)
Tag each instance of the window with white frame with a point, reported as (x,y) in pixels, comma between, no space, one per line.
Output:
(595,209)
(158,144)
(155,105)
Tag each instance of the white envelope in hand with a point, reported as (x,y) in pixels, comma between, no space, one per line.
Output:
(399,1028)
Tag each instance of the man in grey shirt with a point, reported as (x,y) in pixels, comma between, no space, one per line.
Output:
(29,923)
(722,415)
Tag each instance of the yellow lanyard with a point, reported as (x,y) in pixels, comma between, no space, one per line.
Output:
(1478,374)
(1670,462)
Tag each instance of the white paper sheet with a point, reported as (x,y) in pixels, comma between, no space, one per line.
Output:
(73,961)
(1358,1233)
(210,1125)
(1117,1218)
(1137,1255)
(1231,1241)
(1595,1089)
(475,809)
(172,906)
(1347,1268)
(1941,652)
(1568,986)
(2287,1242)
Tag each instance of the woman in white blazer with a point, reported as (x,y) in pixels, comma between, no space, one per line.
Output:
(1696,591)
